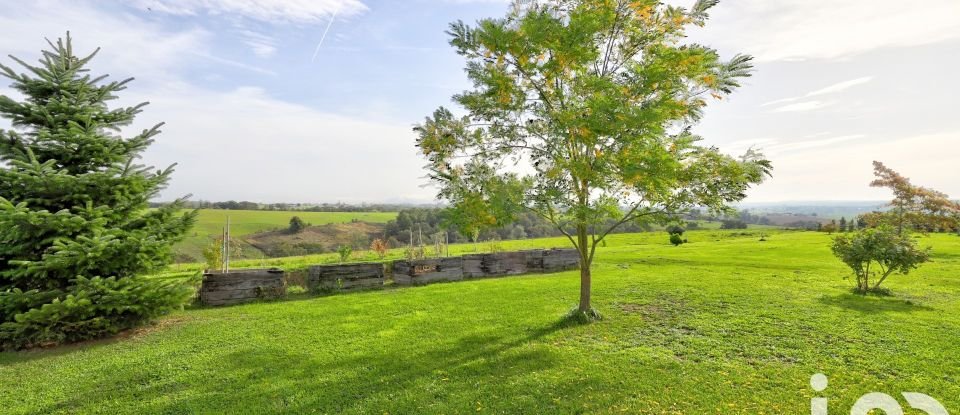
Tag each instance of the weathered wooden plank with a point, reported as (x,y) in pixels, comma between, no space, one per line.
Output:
(243,283)
(534,260)
(424,271)
(240,286)
(473,265)
(555,260)
(345,276)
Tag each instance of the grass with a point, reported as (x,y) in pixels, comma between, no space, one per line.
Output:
(210,224)
(726,324)
(298,263)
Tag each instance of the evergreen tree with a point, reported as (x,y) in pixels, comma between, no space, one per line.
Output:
(75,229)
(843,224)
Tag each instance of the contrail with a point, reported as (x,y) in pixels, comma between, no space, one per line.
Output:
(317,50)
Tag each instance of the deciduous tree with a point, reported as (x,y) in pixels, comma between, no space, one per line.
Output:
(582,111)
(877,253)
(913,206)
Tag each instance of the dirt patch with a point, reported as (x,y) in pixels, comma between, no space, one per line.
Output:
(316,239)
(663,307)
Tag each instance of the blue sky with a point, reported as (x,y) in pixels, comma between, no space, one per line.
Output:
(255,111)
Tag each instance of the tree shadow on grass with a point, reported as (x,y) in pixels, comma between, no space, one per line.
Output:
(872,303)
(398,376)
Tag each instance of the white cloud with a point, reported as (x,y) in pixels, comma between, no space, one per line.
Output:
(844,171)
(260,44)
(827,29)
(136,46)
(297,11)
(808,144)
(840,86)
(246,144)
(803,106)
(837,87)
(235,144)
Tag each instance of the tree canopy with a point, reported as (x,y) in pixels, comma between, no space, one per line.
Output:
(582,112)
(875,254)
(913,207)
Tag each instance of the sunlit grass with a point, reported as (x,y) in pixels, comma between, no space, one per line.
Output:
(725,324)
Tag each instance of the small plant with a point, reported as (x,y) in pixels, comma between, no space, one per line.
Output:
(878,253)
(379,246)
(675,229)
(829,228)
(733,224)
(344,251)
(297,225)
(213,253)
(414,252)
(676,239)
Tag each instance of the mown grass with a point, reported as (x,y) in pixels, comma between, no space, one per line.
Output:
(299,263)
(210,224)
(726,324)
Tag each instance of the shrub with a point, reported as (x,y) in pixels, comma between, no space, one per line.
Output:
(733,224)
(882,247)
(344,251)
(675,229)
(379,246)
(829,228)
(676,239)
(213,253)
(297,225)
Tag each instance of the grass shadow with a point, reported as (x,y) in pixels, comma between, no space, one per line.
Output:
(872,303)
(297,382)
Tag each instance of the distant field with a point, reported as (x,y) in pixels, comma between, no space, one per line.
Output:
(210,223)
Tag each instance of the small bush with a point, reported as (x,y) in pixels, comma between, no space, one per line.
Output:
(675,229)
(297,225)
(379,246)
(344,251)
(733,224)
(676,239)
(878,253)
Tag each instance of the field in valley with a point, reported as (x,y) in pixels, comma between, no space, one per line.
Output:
(210,224)
(725,324)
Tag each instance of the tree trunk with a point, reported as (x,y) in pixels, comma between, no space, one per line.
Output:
(584,288)
(585,278)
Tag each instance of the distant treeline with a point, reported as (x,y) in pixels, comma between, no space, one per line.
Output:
(430,224)
(298,207)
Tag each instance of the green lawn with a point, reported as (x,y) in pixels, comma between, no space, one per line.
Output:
(726,324)
(210,223)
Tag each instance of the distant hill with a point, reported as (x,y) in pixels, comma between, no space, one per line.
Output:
(815,209)
(316,239)
(210,224)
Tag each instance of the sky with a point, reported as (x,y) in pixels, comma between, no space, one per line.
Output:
(314,100)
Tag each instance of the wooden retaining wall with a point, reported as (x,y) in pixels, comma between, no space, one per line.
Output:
(556,260)
(346,277)
(495,264)
(248,285)
(498,264)
(241,286)
(425,271)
